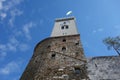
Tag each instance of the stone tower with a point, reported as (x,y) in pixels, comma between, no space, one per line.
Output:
(59,57)
(64,27)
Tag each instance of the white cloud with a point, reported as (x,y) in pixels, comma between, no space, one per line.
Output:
(18,33)
(94,31)
(117,30)
(9,8)
(3,15)
(41,22)
(117,27)
(98,30)
(68,13)
(23,47)
(10,68)
(3,47)
(14,13)
(12,45)
(13,41)
(26,29)
(2,55)
(11,4)
(1,4)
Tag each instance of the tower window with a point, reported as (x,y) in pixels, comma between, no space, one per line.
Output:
(64,40)
(67,26)
(48,46)
(76,53)
(36,61)
(64,22)
(77,70)
(77,43)
(64,49)
(53,56)
(62,27)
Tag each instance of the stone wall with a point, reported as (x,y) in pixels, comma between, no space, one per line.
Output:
(62,58)
(57,58)
(104,68)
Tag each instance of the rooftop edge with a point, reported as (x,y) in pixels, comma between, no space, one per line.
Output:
(63,19)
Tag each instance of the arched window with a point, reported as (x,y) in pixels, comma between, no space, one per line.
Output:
(76,54)
(77,43)
(66,26)
(63,48)
(77,70)
(48,46)
(64,22)
(53,56)
(36,61)
(62,27)
(64,40)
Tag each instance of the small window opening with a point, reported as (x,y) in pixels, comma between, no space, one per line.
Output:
(64,58)
(76,54)
(36,61)
(64,40)
(48,46)
(64,49)
(77,43)
(64,22)
(77,70)
(67,27)
(53,56)
(62,27)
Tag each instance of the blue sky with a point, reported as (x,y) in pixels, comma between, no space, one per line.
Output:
(23,23)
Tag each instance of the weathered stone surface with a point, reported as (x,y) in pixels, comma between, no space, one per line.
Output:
(58,58)
(104,68)
(62,58)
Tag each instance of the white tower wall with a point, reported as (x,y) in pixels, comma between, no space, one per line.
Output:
(64,27)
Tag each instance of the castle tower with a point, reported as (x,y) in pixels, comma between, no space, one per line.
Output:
(63,27)
(59,57)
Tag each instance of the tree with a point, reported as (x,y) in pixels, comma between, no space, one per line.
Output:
(113,42)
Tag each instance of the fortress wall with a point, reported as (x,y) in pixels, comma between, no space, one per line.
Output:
(51,62)
(104,68)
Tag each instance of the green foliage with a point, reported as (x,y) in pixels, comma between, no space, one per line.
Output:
(113,42)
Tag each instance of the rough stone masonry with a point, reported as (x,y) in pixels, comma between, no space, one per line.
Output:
(61,57)
(58,58)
